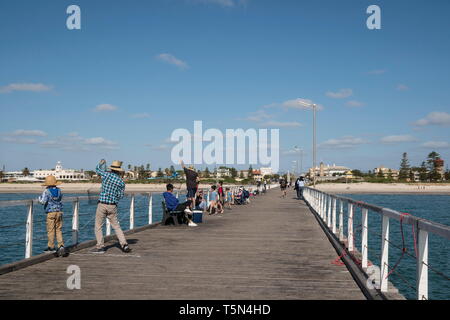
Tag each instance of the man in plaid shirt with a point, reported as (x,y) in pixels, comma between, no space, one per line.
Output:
(112,191)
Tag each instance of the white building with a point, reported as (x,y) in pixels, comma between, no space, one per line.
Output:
(266,171)
(223,173)
(60,174)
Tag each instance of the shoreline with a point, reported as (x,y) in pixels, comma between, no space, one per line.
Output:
(385,188)
(336,188)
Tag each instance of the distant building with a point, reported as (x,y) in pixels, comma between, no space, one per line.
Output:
(12,176)
(266,171)
(386,172)
(60,173)
(328,170)
(257,175)
(223,172)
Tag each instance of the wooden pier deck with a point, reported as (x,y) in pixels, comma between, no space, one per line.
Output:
(272,249)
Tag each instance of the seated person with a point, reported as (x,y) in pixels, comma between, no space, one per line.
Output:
(214,203)
(173,204)
(200,202)
(239,198)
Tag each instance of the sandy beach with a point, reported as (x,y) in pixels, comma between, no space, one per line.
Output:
(385,188)
(337,188)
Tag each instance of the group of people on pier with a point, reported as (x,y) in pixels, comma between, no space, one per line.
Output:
(113,189)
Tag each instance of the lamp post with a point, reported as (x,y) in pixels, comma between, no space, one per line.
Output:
(314,107)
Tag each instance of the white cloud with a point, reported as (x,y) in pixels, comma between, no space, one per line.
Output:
(140,116)
(99,141)
(341,94)
(434,118)
(402,87)
(171,59)
(19,140)
(354,104)
(161,147)
(31,87)
(74,142)
(299,103)
(280,124)
(397,139)
(29,133)
(105,107)
(258,116)
(377,72)
(344,142)
(436,145)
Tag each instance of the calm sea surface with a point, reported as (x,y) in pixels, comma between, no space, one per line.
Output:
(431,207)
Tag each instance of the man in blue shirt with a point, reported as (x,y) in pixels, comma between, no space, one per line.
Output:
(112,191)
(173,204)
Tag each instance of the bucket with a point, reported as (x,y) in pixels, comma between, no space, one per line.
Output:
(197,216)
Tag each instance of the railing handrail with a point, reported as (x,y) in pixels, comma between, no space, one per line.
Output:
(325,204)
(428,225)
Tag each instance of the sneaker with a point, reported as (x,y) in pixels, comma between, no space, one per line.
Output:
(48,250)
(126,248)
(98,250)
(62,251)
(192,224)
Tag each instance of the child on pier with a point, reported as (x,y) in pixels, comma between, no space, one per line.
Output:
(51,199)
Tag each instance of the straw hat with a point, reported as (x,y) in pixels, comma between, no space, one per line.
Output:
(50,181)
(116,166)
(191,168)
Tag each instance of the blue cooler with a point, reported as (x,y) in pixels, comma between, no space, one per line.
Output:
(197,216)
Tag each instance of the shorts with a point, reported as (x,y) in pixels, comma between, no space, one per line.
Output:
(283,188)
(191,192)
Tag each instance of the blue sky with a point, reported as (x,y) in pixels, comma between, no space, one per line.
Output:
(137,70)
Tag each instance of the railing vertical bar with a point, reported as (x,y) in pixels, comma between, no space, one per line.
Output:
(75,221)
(333,222)
(350,237)
(132,213)
(29,232)
(384,254)
(341,220)
(422,265)
(364,238)
(150,209)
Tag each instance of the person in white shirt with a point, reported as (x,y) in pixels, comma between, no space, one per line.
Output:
(299,185)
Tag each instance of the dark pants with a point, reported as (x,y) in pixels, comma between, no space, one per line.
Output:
(183,206)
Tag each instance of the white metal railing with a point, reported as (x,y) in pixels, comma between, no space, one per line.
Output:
(324,205)
(75,217)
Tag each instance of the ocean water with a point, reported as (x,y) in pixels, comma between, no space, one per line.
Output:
(12,239)
(431,207)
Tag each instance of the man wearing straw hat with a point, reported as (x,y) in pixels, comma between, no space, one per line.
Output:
(112,191)
(51,199)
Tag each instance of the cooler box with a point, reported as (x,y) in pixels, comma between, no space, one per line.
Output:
(197,216)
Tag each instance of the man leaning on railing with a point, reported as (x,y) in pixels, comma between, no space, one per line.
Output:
(112,191)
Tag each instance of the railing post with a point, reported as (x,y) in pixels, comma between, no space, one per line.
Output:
(75,221)
(29,234)
(150,209)
(422,265)
(350,228)
(384,254)
(132,213)
(329,212)
(364,237)
(108,227)
(322,206)
(341,220)
(207,200)
(177,194)
(333,222)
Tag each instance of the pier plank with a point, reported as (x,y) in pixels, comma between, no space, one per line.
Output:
(270,249)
